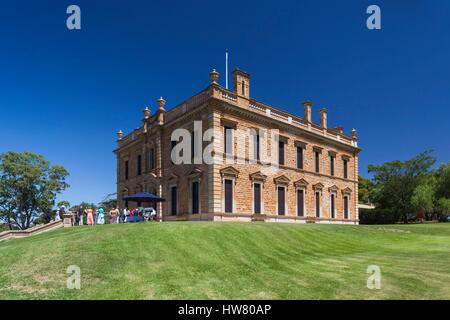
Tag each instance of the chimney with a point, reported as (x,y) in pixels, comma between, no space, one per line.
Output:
(241,83)
(307,105)
(323,117)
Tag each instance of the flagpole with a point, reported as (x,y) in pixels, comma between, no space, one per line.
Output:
(226,69)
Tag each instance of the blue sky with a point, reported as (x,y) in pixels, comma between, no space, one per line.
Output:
(65,94)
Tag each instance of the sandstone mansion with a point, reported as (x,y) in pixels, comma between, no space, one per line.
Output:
(307,174)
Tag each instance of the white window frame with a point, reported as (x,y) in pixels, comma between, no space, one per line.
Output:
(261,184)
(305,214)
(320,204)
(333,214)
(233,196)
(191,208)
(286,210)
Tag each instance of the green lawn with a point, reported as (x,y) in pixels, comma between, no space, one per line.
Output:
(204,260)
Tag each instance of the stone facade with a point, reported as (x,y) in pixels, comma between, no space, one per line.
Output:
(230,185)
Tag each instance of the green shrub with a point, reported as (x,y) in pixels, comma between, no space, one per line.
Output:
(378,216)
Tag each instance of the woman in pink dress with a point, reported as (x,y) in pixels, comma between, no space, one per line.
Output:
(90,217)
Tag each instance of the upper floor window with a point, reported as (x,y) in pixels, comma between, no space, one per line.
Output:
(126,170)
(256,147)
(243,87)
(332,165)
(317,161)
(345,168)
(151,159)
(139,165)
(228,140)
(299,157)
(281,152)
(172,145)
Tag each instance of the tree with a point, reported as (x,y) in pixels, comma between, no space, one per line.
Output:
(365,187)
(64,203)
(109,204)
(395,182)
(28,187)
(423,198)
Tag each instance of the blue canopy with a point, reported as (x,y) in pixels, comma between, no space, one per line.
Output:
(144,197)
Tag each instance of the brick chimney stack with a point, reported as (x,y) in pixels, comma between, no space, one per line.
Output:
(241,83)
(307,106)
(323,117)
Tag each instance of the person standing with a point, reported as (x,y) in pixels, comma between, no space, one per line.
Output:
(113,215)
(90,217)
(101,216)
(95,216)
(80,213)
(62,212)
(124,214)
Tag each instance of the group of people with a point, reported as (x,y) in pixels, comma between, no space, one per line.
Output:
(90,217)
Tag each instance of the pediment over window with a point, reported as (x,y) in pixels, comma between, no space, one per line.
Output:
(301,183)
(333,188)
(258,176)
(318,186)
(174,177)
(196,172)
(282,180)
(347,191)
(229,171)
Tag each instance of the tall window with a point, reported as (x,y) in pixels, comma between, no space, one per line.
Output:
(300,202)
(332,165)
(228,140)
(243,87)
(228,196)
(172,145)
(281,152)
(257,197)
(195,197)
(345,168)
(126,170)
(139,165)
(317,161)
(299,157)
(345,207)
(192,147)
(151,159)
(256,147)
(317,204)
(281,201)
(173,199)
(332,206)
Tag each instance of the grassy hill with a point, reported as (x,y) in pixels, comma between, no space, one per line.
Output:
(201,260)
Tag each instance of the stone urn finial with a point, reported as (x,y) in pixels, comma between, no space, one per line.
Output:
(120,135)
(161,103)
(354,134)
(214,76)
(147,112)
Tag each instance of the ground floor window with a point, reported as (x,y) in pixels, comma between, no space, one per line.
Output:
(228,195)
(317,204)
(281,201)
(257,198)
(332,205)
(300,202)
(345,207)
(173,200)
(195,197)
